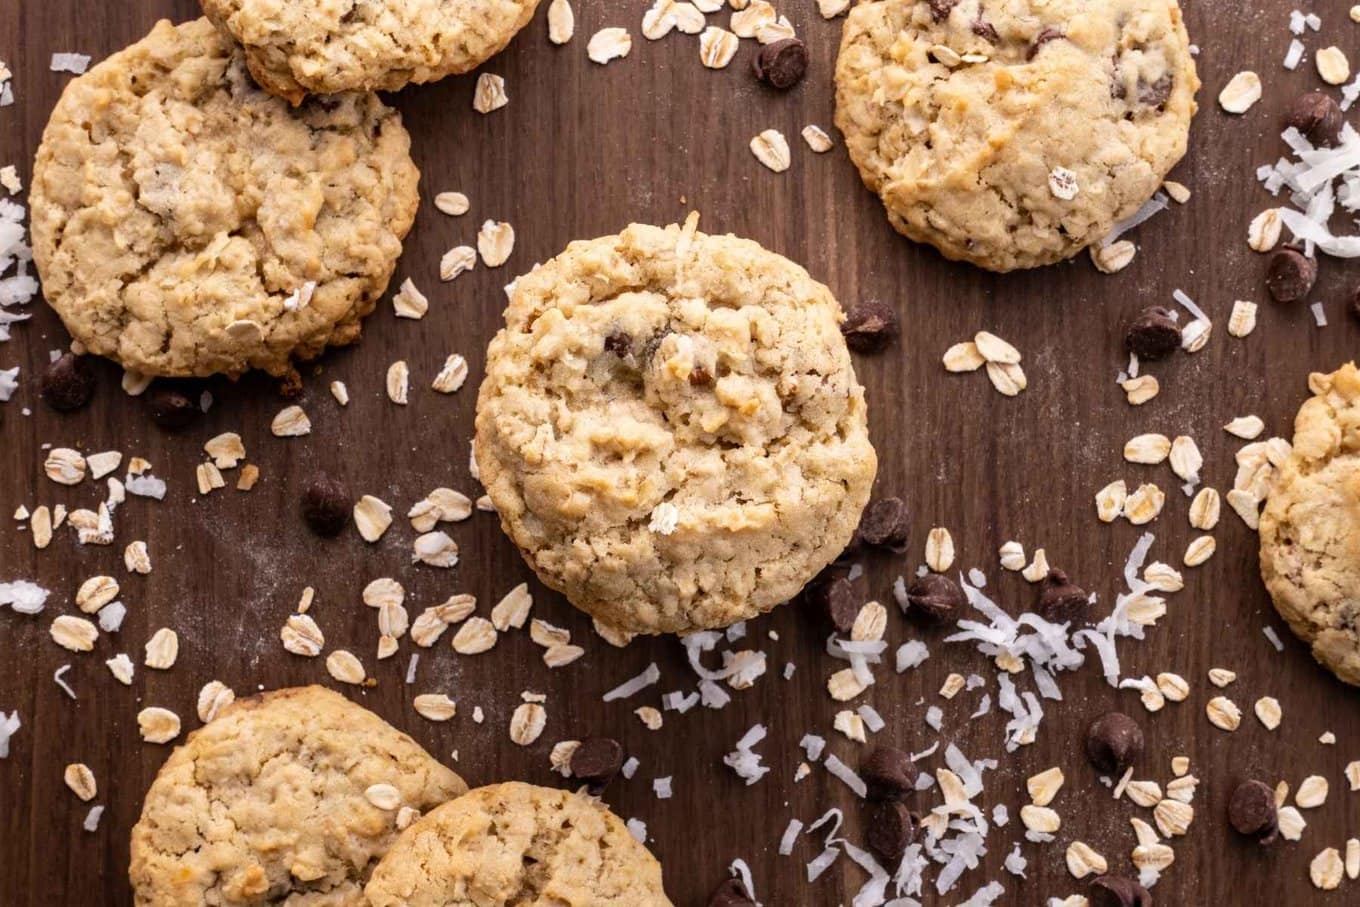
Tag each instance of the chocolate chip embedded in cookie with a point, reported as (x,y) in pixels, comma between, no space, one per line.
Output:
(1310,528)
(655,502)
(186,223)
(959,116)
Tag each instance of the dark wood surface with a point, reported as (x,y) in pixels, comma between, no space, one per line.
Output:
(580,151)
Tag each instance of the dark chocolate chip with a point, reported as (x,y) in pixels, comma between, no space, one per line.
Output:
(1318,116)
(1291,274)
(1114,741)
(934,598)
(892,829)
(1047,34)
(618,343)
(986,31)
(700,377)
(731,893)
(1252,811)
(888,773)
(885,523)
(836,600)
(172,408)
(1118,891)
(869,327)
(1060,600)
(326,505)
(67,383)
(596,761)
(1153,334)
(781,64)
(940,9)
(1155,94)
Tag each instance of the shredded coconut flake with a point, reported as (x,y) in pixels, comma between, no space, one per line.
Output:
(629,688)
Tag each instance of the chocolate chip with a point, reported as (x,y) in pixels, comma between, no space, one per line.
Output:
(885,523)
(940,9)
(1155,94)
(1045,35)
(781,64)
(731,893)
(869,327)
(700,377)
(596,761)
(618,343)
(986,31)
(1118,891)
(1153,334)
(934,598)
(1114,741)
(326,505)
(1060,600)
(835,599)
(67,383)
(889,773)
(171,407)
(892,829)
(1317,116)
(1291,274)
(1252,811)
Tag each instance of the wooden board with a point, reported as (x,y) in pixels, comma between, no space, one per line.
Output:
(580,151)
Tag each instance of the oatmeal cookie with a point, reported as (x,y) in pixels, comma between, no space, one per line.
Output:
(1310,529)
(269,803)
(327,46)
(187,223)
(1014,133)
(671,429)
(518,844)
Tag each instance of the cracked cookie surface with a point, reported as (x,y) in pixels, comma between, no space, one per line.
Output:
(518,844)
(959,113)
(671,429)
(187,223)
(266,804)
(1310,529)
(328,46)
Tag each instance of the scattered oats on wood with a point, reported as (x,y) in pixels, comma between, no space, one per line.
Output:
(1312,792)
(1110,501)
(1154,856)
(1144,793)
(844,685)
(302,636)
(387,647)
(1179,192)
(136,558)
(1205,508)
(398,382)
(1173,686)
(1141,389)
(95,593)
(250,475)
(1353,774)
(1242,321)
(1185,458)
(1044,786)
(212,699)
(1263,233)
(75,634)
(1083,861)
(717,46)
(952,686)
(1012,556)
(226,450)
(1292,823)
(158,725)
(963,357)
(1352,858)
(1148,449)
(40,524)
(1144,505)
(547,635)
(1038,568)
(1332,65)
(513,609)
(772,149)
(560,757)
(1223,713)
(122,668)
(1247,506)
(134,384)
(1173,817)
(1183,788)
(80,780)
(1326,868)
(527,723)
(383,796)
(392,620)
(1242,91)
(456,261)
(1163,577)
(1040,819)
(409,302)
(209,478)
(1008,378)
(1152,698)
(435,706)
(65,466)
(1268,712)
(817,139)
(102,464)
(372,517)
(345,667)
(495,242)
(490,93)
(291,422)
(475,636)
(1195,335)
(561,22)
(870,624)
(562,655)
(1200,550)
(340,392)
(1221,677)
(850,725)
(1180,765)
(609,44)
(427,628)
(436,549)
(452,375)
(383,591)
(162,650)
(939,550)
(1113,258)
(650,717)
(440,505)
(746,22)
(454,204)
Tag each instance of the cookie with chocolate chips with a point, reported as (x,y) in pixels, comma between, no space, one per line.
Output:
(959,114)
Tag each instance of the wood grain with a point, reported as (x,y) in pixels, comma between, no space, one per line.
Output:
(580,151)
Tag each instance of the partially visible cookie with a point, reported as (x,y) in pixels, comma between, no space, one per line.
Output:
(280,800)
(517,844)
(1310,529)
(187,223)
(327,46)
(671,429)
(1014,133)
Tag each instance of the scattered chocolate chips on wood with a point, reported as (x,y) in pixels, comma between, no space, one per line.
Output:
(171,407)
(934,598)
(892,828)
(885,524)
(68,383)
(1118,891)
(834,598)
(1317,116)
(326,505)
(596,761)
(1252,811)
(1153,334)
(1291,274)
(888,773)
(1060,600)
(731,893)
(781,64)
(1114,741)
(869,327)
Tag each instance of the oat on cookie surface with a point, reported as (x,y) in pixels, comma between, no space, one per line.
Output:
(1310,529)
(273,802)
(326,46)
(187,223)
(518,844)
(671,429)
(1013,133)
